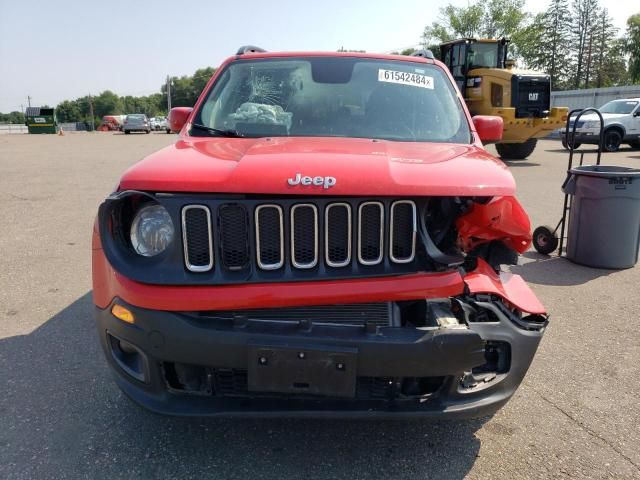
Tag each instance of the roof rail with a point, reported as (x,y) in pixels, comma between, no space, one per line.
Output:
(423,53)
(249,49)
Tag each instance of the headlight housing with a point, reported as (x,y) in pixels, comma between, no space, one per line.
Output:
(591,124)
(151,230)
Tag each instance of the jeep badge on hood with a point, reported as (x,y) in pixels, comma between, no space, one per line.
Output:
(326,182)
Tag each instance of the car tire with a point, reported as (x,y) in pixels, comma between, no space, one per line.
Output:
(516,151)
(168,130)
(612,140)
(635,145)
(566,145)
(147,131)
(127,132)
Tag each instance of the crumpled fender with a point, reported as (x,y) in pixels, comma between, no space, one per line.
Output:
(502,218)
(512,288)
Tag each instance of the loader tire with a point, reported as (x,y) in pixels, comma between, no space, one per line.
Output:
(516,151)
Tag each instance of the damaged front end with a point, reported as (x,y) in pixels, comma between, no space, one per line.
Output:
(447,334)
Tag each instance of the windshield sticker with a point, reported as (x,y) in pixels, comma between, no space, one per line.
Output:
(405,78)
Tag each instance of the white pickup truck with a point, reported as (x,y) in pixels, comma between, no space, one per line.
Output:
(621,125)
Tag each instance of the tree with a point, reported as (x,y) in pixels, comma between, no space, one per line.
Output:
(584,13)
(632,46)
(107,103)
(605,35)
(557,25)
(12,117)
(455,22)
(487,18)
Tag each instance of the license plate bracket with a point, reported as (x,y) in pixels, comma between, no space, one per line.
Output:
(306,370)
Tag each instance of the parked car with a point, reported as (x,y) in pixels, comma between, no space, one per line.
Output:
(136,122)
(158,123)
(621,125)
(324,238)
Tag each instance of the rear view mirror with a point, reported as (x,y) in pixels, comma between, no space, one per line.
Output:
(489,128)
(178,117)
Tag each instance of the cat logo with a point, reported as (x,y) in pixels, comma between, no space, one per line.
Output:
(533,96)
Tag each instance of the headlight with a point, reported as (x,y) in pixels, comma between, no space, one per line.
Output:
(151,230)
(591,124)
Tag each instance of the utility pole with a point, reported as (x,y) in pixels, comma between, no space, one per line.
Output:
(91,113)
(168,93)
(29,100)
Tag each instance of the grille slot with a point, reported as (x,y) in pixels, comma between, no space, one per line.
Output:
(304,235)
(370,233)
(402,228)
(269,237)
(337,231)
(197,238)
(234,236)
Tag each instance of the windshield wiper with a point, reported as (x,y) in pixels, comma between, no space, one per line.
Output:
(217,131)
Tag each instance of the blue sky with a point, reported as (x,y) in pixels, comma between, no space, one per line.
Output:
(63,49)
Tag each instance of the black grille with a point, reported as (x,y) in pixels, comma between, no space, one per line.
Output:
(376,314)
(370,245)
(229,382)
(402,231)
(304,242)
(530,95)
(197,237)
(338,235)
(269,236)
(255,240)
(234,236)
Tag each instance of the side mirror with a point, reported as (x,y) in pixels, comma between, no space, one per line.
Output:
(489,128)
(178,117)
(636,113)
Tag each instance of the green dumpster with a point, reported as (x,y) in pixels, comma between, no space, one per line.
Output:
(41,120)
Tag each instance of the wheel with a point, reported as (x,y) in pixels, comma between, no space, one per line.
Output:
(635,145)
(127,132)
(612,140)
(544,240)
(147,131)
(168,130)
(566,145)
(516,151)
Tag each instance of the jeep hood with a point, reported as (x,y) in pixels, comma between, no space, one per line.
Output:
(361,167)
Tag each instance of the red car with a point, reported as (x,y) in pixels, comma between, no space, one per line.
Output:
(324,238)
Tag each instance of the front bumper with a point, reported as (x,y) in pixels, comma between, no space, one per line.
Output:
(583,135)
(386,358)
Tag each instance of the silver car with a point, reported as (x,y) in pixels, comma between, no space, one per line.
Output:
(136,122)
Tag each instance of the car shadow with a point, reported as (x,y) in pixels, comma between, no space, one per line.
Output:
(63,417)
(553,270)
(519,163)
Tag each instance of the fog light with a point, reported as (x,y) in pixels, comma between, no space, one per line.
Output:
(122,313)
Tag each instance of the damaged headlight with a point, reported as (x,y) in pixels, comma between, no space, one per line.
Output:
(151,230)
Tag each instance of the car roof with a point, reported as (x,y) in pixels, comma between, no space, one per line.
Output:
(378,56)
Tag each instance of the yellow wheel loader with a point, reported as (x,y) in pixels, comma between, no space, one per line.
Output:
(492,86)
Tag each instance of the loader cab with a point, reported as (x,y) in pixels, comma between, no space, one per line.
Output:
(462,56)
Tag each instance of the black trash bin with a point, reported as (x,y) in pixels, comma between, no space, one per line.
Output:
(604,221)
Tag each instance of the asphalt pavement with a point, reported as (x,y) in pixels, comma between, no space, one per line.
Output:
(576,415)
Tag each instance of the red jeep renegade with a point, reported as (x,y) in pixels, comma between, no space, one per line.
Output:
(324,238)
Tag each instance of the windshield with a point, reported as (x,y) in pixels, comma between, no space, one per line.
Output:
(619,106)
(484,55)
(135,118)
(336,97)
